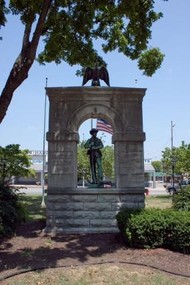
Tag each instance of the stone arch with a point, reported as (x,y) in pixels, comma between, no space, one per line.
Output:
(90,111)
(73,210)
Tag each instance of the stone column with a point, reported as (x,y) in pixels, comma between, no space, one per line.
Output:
(129,160)
(62,160)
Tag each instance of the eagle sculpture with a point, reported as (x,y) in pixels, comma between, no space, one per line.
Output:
(96,74)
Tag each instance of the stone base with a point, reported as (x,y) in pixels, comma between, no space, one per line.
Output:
(80,211)
(62,231)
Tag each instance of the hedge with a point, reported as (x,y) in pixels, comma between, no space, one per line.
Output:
(152,228)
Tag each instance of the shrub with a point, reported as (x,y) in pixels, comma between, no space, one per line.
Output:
(181,201)
(12,212)
(151,228)
(177,232)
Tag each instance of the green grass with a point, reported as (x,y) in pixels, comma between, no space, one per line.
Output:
(161,202)
(33,206)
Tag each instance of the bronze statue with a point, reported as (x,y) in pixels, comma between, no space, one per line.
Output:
(94,145)
(96,74)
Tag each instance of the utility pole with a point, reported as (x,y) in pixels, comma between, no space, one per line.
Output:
(43,205)
(1,38)
(172,158)
(172,137)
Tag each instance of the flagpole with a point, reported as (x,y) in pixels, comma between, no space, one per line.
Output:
(43,205)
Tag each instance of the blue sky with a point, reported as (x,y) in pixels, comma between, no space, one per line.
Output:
(167,97)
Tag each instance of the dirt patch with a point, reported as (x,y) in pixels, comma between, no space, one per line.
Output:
(31,249)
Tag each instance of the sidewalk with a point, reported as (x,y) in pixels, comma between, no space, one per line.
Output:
(158,190)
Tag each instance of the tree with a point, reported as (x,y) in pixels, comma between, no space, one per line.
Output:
(157,164)
(108,161)
(14,162)
(183,159)
(180,157)
(68,36)
(83,166)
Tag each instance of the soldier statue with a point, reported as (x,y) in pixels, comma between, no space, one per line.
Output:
(94,145)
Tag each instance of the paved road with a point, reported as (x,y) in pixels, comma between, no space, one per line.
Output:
(157,191)
(37,190)
(31,190)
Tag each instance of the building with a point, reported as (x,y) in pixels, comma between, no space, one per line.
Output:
(149,173)
(37,164)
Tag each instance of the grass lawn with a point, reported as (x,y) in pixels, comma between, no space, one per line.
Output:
(160,202)
(105,274)
(33,205)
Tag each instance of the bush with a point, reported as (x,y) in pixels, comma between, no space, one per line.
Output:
(151,228)
(177,233)
(12,212)
(181,201)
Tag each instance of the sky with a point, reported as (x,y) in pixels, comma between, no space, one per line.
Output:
(167,98)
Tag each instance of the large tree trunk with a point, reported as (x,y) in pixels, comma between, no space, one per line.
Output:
(24,61)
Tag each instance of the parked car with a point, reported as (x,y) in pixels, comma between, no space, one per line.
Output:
(173,189)
(184,182)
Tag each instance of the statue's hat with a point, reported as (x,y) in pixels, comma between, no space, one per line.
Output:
(93,131)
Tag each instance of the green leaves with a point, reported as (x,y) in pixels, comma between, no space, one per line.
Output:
(3,12)
(124,26)
(181,201)
(152,228)
(12,212)
(180,156)
(71,31)
(150,61)
(108,161)
(14,162)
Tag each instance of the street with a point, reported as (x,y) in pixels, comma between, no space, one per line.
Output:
(157,191)
(37,190)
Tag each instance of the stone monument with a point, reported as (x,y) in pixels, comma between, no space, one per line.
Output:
(75,210)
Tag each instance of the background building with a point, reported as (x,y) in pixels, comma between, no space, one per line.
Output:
(37,164)
(149,173)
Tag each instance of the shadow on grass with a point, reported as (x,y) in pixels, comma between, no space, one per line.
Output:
(33,207)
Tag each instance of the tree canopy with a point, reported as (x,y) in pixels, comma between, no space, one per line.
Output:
(69,30)
(14,162)
(157,165)
(180,157)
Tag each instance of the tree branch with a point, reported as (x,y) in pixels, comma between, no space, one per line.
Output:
(24,61)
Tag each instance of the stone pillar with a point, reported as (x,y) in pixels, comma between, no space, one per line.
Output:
(62,160)
(129,160)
